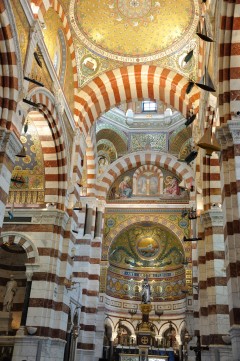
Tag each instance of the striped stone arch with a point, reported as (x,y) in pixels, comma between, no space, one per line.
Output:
(8,69)
(143,158)
(23,241)
(44,5)
(47,108)
(131,83)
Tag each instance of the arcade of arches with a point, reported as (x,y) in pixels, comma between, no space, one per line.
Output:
(119,165)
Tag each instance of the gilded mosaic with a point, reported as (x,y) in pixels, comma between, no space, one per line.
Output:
(162,289)
(135,186)
(140,141)
(146,245)
(28,179)
(121,29)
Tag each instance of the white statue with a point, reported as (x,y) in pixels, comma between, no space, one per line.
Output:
(11,289)
(146,292)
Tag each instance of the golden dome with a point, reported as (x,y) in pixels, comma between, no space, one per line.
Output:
(134,30)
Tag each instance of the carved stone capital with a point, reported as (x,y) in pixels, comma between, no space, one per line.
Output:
(91,202)
(30,269)
(58,96)
(101,205)
(212,218)
(9,143)
(234,128)
(229,134)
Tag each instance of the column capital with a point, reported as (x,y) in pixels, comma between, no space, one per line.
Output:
(234,128)
(9,143)
(91,202)
(101,205)
(212,218)
(30,269)
(229,133)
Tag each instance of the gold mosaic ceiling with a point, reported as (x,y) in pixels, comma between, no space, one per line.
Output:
(134,30)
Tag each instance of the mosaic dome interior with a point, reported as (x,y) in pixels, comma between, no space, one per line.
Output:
(121,29)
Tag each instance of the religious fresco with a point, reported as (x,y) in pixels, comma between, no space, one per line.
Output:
(28,178)
(131,187)
(146,245)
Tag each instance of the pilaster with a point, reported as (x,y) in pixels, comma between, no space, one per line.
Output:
(10,145)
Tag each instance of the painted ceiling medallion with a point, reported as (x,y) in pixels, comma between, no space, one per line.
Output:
(134,30)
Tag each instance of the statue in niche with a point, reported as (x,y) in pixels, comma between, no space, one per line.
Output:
(11,289)
(146,292)
(171,186)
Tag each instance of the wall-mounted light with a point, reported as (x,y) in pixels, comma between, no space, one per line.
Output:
(34,81)
(22,153)
(77,206)
(202,33)
(191,156)
(206,82)
(193,239)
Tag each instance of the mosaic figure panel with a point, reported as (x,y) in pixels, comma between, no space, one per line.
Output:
(28,179)
(161,184)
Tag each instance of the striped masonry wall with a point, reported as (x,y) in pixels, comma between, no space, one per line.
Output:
(91,163)
(8,72)
(229,104)
(48,305)
(211,169)
(44,5)
(216,293)
(87,271)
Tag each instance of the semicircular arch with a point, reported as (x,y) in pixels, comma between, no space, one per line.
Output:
(138,159)
(130,83)
(23,241)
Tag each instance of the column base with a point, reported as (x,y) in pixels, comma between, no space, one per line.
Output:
(5,321)
(235,340)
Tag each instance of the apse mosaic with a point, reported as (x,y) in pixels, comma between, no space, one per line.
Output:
(146,248)
(146,245)
(28,178)
(121,29)
(138,184)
